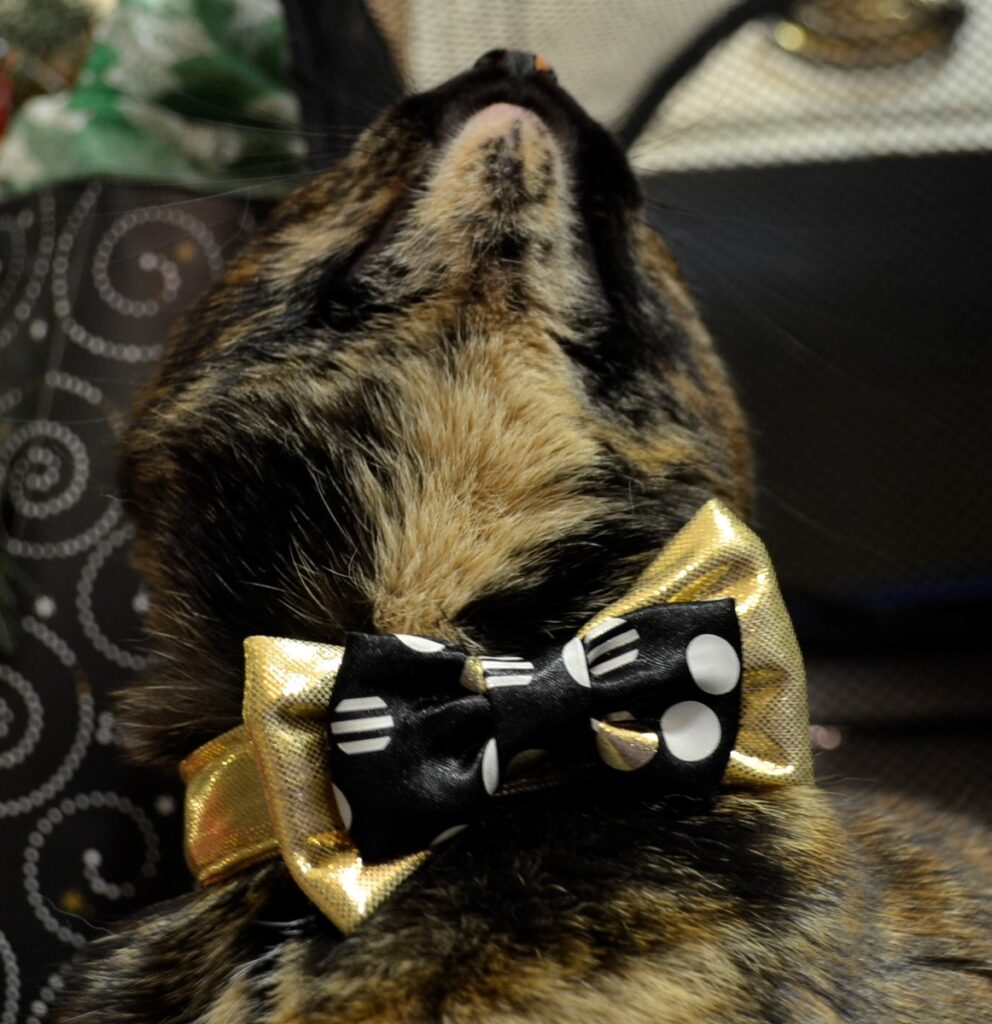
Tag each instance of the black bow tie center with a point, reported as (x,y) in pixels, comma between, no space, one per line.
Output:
(422,735)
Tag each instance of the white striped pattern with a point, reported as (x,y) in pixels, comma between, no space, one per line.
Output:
(604,627)
(371,723)
(493,681)
(629,637)
(362,724)
(369,746)
(361,704)
(604,667)
(506,670)
(616,642)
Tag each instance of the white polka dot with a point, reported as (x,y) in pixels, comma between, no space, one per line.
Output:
(344,808)
(448,833)
(691,730)
(573,654)
(44,607)
(419,643)
(165,805)
(490,767)
(825,737)
(713,663)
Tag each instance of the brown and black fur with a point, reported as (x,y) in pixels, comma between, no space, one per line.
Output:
(457,388)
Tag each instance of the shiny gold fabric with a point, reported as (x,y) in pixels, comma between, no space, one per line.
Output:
(281,751)
(713,556)
(288,686)
(625,749)
(227,819)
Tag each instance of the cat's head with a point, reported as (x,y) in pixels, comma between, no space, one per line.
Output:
(455,387)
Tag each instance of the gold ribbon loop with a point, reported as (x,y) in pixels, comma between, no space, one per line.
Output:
(713,556)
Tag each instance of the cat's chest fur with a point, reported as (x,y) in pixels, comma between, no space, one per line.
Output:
(457,388)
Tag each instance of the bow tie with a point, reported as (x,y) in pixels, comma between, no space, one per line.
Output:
(355,761)
(421,736)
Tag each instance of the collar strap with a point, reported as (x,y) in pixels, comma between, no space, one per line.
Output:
(265,789)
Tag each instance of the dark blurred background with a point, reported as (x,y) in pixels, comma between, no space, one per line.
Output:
(823,175)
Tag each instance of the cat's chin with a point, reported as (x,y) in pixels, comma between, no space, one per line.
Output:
(500,118)
(501,129)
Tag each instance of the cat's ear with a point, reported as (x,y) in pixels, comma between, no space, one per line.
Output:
(342,71)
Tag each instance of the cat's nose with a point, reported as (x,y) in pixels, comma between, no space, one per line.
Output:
(516,63)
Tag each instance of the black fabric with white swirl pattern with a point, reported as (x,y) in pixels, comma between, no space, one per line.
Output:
(93,276)
(415,755)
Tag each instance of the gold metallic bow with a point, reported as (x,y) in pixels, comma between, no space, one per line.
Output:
(264,790)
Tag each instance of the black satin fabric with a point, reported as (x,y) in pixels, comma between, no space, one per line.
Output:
(408,741)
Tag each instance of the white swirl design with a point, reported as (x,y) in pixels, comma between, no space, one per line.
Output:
(84,602)
(22,749)
(22,222)
(90,281)
(69,765)
(35,469)
(71,547)
(55,643)
(149,261)
(47,995)
(45,469)
(56,816)
(11,982)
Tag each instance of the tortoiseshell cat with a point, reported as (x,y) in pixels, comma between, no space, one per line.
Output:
(457,388)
